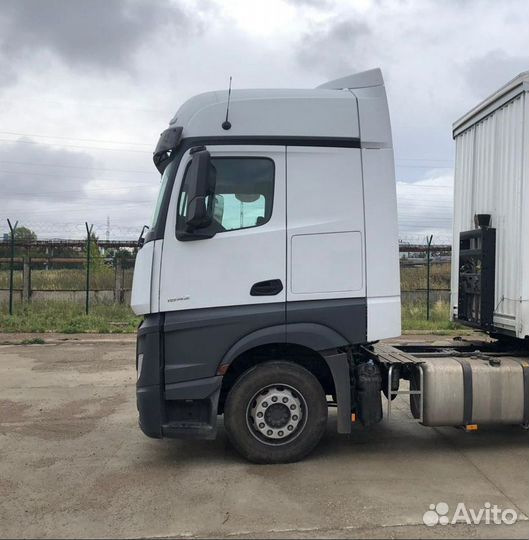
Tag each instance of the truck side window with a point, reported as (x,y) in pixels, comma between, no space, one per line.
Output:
(244,193)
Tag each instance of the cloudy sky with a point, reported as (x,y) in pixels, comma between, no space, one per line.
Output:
(87,86)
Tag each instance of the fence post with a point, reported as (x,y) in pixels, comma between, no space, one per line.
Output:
(118,282)
(429,244)
(25,280)
(12,228)
(88,235)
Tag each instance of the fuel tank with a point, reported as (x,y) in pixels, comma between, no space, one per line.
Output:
(473,390)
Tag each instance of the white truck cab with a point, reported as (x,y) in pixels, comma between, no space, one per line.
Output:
(272,257)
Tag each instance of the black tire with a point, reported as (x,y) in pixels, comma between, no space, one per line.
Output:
(241,403)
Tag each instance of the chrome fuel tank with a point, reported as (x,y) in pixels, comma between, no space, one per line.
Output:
(474,390)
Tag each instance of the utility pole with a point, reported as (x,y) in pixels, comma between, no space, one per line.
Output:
(107,235)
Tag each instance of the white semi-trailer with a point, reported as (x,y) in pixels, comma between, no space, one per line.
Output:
(271,270)
(490,289)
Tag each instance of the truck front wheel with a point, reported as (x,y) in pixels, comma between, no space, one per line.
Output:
(275,413)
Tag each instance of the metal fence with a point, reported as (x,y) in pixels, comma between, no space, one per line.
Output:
(78,271)
(108,279)
(91,271)
(425,274)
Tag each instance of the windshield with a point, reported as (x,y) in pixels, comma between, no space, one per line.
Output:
(165,179)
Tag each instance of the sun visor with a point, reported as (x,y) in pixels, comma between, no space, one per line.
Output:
(167,144)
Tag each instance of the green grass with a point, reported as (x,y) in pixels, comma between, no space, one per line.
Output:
(67,278)
(414,278)
(69,318)
(414,318)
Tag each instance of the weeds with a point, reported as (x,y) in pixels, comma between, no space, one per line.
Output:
(33,341)
(67,279)
(414,318)
(414,278)
(68,318)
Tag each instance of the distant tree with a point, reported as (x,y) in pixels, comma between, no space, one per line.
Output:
(96,256)
(24,235)
(121,253)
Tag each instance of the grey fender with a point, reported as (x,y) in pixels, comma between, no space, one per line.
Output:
(316,337)
(313,336)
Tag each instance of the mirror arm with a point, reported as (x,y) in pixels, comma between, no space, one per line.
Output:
(141,239)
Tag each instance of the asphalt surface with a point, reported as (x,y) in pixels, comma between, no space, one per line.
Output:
(75,464)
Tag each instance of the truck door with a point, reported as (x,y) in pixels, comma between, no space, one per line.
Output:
(326,281)
(215,291)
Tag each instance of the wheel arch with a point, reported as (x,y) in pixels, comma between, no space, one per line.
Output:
(316,337)
(301,343)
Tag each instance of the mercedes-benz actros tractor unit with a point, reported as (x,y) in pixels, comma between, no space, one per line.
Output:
(271,271)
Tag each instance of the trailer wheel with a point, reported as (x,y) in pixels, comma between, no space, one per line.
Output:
(275,413)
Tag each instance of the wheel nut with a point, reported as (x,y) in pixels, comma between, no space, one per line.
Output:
(294,417)
(259,415)
(280,433)
(290,428)
(261,425)
(274,398)
(265,404)
(269,432)
(292,407)
(285,400)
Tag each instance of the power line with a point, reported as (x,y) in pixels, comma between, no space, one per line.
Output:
(107,141)
(73,138)
(32,163)
(86,104)
(84,210)
(17,141)
(421,167)
(425,159)
(37,195)
(401,185)
(64,177)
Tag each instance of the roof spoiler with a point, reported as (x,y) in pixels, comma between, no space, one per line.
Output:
(364,79)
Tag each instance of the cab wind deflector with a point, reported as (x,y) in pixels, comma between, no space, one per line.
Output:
(364,79)
(168,142)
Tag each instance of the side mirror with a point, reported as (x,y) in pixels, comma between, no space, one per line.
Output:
(200,195)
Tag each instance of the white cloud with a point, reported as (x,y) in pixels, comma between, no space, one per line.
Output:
(425,208)
(119,80)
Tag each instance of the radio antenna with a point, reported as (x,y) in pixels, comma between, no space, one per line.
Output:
(227,124)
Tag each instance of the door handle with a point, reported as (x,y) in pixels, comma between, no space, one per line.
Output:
(270,287)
